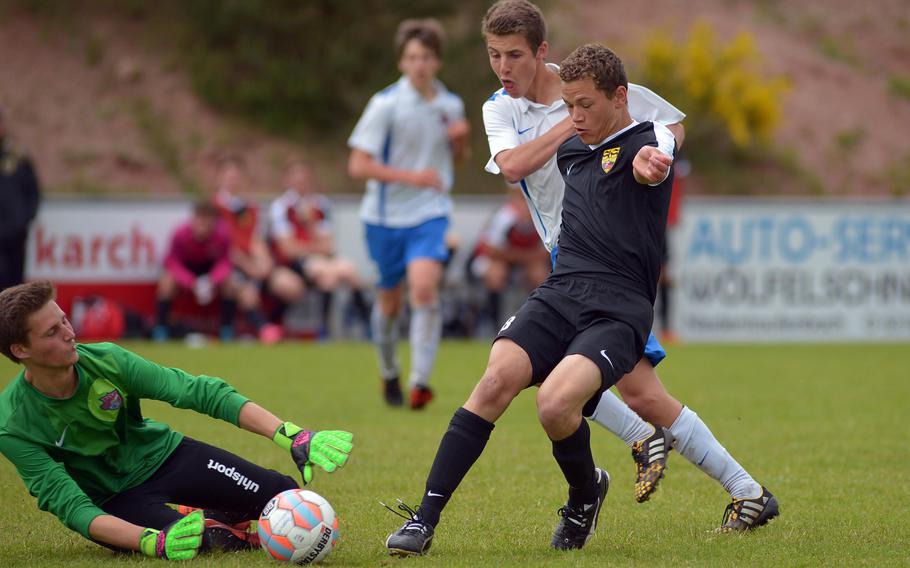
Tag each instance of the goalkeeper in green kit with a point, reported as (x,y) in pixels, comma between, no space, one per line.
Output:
(72,426)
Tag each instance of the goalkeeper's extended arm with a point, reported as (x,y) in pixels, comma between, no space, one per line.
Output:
(329,449)
(179,540)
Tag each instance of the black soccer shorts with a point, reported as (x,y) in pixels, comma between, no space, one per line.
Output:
(567,316)
(203,476)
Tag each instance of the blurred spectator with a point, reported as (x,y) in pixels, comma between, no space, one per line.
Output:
(300,224)
(249,255)
(508,245)
(19,197)
(198,261)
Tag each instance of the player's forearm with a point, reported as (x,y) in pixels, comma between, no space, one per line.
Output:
(362,166)
(521,161)
(679,133)
(255,419)
(116,532)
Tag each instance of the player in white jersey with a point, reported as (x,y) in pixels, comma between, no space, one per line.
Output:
(526,121)
(404,145)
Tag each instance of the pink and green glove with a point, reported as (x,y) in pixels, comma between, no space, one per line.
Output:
(179,540)
(329,449)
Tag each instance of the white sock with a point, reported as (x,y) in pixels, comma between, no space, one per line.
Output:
(426,329)
(385,336)
(614,415)
(697,444)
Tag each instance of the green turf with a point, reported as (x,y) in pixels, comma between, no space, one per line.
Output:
(823,426)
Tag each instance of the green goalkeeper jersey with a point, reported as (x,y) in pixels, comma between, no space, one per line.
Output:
(76,453)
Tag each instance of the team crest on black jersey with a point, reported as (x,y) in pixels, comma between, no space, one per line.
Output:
(609,159)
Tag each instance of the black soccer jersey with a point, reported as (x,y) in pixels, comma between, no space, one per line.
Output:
(612,226)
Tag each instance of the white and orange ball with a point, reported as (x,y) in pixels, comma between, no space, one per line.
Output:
(298,526)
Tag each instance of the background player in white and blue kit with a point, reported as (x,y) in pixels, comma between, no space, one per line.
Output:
(404,145)
(526,121)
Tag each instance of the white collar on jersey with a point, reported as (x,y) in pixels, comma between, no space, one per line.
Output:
(612,136)
(405,84)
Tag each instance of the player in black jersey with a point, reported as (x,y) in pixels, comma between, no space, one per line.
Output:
(586,325)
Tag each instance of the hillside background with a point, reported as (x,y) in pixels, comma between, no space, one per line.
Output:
(127,97)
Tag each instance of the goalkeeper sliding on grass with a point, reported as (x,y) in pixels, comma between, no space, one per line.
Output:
(72,425)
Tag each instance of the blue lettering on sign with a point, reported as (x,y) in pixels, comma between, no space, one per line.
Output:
(793,239)
(869,240)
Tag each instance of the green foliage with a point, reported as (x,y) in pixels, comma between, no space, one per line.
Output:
(899,85)
(793,415)
(732,106)
(292,65)
(158,139)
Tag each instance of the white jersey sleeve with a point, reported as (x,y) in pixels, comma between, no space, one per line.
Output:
(500,128)
(279,225)
(647,106)
(666,143)
(372,129)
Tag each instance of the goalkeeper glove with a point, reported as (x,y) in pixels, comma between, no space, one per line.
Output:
(179,540)
(328,449)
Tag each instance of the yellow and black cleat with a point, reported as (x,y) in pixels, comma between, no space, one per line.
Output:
(650,457)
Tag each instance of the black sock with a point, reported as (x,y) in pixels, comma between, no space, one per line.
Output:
(494,300)
(228,311)
(573,454)
(326,308)
(360,304)
(277,313)
(460,447)
(254,318)
(164,308)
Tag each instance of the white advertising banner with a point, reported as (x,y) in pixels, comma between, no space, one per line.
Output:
(758,270)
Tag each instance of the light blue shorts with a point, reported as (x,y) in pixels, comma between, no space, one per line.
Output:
(392,249)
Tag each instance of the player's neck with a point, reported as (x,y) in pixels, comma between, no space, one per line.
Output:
(546,88)
(427,90)
(53,382)
(621,122)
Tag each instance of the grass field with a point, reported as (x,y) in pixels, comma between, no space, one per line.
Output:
(823,426)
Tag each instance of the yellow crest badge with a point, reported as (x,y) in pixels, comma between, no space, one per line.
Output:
(609,158)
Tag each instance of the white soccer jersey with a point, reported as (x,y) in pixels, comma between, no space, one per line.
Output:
(401,129)
(510,122)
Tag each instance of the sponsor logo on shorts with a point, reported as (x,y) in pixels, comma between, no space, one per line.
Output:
(232,473)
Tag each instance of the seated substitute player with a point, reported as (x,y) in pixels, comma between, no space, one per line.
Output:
(71,424)
(526,121)
(508,244)
(300,231)
(198,261)
(252,265)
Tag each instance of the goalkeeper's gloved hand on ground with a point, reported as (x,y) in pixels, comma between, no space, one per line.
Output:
(328,449)
(179,540)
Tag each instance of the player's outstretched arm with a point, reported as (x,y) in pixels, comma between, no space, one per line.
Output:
(178,541)
(679,133)
(651,166)
(328,449)
(525,159)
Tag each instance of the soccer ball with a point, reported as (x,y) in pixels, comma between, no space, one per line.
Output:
(298,526)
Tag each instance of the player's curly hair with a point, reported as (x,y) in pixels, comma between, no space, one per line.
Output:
(428,31)
(520,17)
(17,303)
(597,62)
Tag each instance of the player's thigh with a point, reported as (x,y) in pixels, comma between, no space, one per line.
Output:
(424,278)
(202,475)
(286,284)
(508,372)
(566,390)
(143,507)
(643,391)
(613,346)
(387,248)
